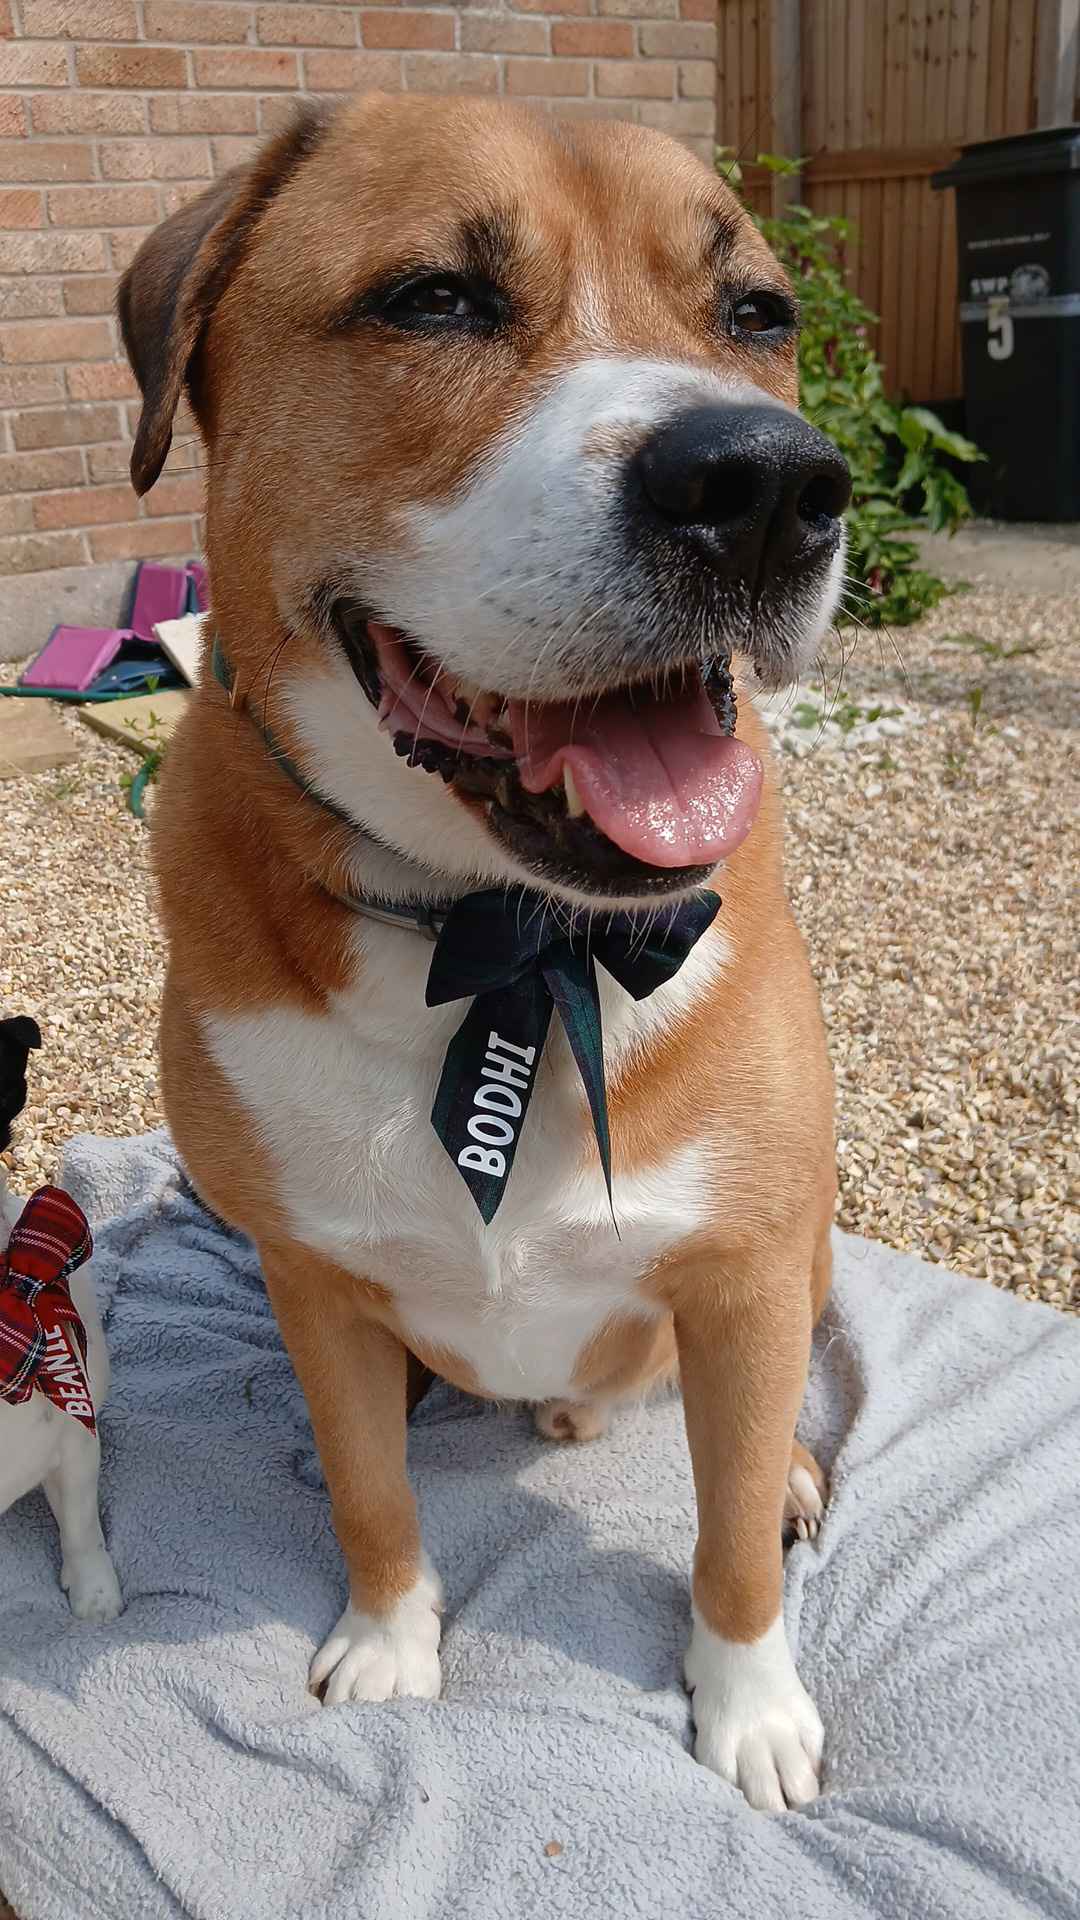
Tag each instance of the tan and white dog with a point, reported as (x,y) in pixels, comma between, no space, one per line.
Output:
(41,1444)
(504,463)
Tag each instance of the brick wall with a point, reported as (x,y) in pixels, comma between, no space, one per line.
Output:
(114,112)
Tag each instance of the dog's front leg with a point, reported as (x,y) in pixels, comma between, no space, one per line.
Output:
(87,1574)
(353,1373)
(743,1331)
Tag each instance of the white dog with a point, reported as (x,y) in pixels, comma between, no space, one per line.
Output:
(50,1438)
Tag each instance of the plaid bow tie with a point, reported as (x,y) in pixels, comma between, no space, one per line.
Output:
(505,947)
(42,1339)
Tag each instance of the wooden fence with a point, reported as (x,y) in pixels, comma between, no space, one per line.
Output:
(878,94)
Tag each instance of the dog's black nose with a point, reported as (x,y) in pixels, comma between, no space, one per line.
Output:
(754,487)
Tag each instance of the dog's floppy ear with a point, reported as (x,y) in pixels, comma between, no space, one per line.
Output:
(21,1033)
(18,1037)
(168,293)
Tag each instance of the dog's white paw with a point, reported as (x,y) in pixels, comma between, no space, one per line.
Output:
(756,1724)
(91,1585)
(572,1419)
(381,1657)
(804,1504)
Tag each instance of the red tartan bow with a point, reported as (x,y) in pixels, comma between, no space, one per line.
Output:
(42,1339)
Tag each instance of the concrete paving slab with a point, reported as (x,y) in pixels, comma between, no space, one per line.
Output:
(32,604)
(31,740)
(1024,557)
(142,723)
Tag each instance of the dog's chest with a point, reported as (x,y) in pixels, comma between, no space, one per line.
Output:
(343,1100)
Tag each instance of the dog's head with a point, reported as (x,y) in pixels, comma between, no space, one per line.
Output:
(503,448)
(18,1038)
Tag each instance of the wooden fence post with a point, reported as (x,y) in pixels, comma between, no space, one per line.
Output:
(1056,62)
(785,84)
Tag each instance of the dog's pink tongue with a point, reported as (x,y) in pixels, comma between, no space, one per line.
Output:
(657,777)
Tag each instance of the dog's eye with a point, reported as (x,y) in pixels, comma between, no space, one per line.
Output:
(762,313)
(442,298)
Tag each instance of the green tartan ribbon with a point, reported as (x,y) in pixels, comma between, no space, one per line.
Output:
(507,950)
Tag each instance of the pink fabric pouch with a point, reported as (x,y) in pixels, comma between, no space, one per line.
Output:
(72,657)
(161,593)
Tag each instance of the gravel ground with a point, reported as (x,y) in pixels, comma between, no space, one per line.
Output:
(934,847)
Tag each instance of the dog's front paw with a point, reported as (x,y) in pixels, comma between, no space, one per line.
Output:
(756,1724)
(805,1496)
(572,1419)
(380,1657)
(91,1585)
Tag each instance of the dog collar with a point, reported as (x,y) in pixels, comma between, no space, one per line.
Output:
(418,917)
(225,677)
(509,950)
(421,917)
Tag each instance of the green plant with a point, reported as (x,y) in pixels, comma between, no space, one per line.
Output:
(61,789)
(896,453)
(135,784)
(956,760)
(842,711)
(989,649)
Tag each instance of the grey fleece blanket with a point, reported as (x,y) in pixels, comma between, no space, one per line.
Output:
(172,1763)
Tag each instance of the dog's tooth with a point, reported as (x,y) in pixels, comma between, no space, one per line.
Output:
(483,709)
(470,705)
(498,727)
(575,806)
